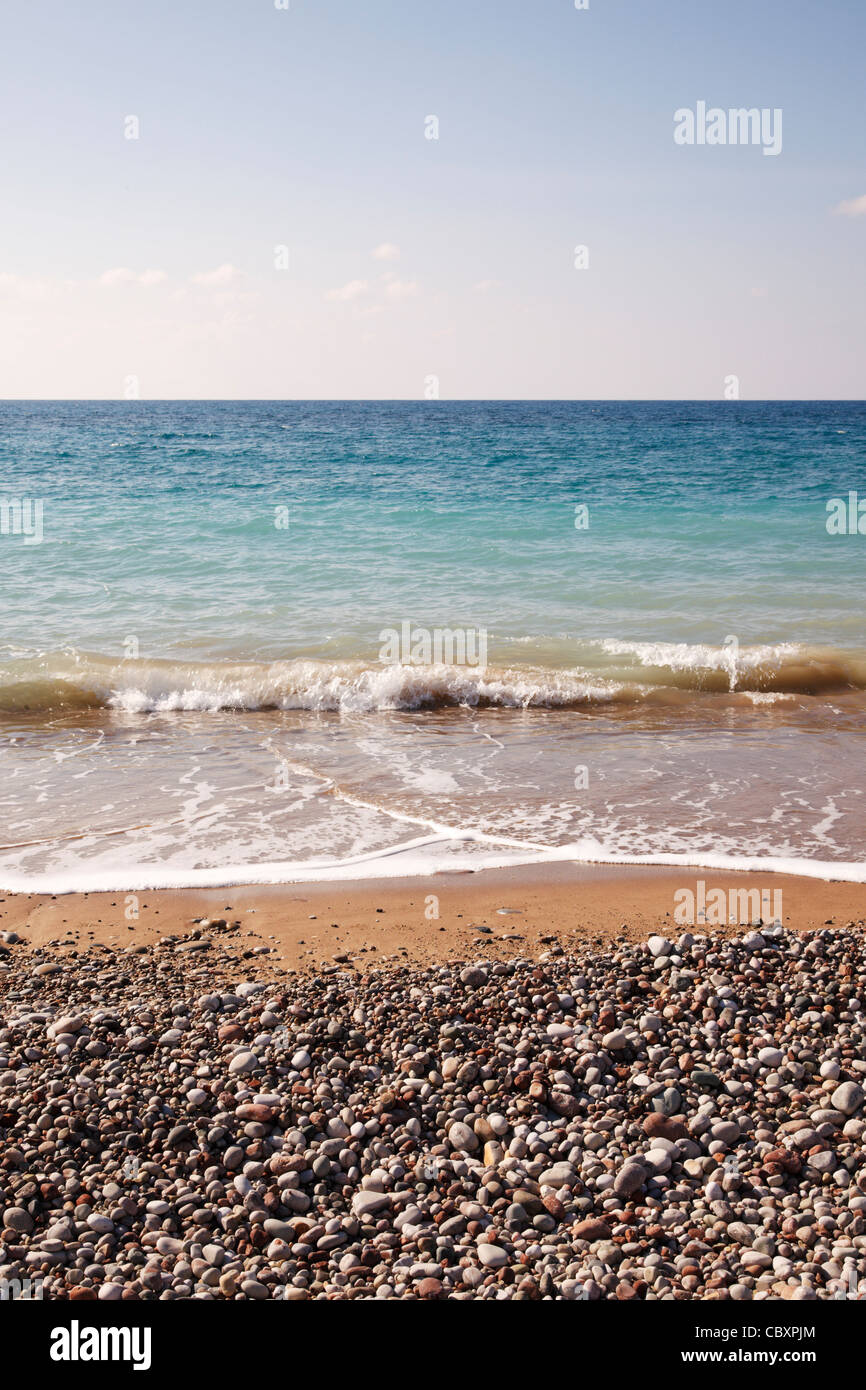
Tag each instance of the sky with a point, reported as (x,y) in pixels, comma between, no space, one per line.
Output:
(280,224)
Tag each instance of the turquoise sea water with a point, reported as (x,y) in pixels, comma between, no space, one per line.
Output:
(191,679)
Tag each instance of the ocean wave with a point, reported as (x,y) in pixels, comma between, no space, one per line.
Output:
(609,673)
(420,856)
(700,656)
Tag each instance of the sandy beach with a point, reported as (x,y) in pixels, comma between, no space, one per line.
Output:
(498,913)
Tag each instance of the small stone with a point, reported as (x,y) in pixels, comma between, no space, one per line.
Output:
(430,1288)
(659,946)
(848,1097)
(254,1289)
(461,1137)
(492,1256)
(771,1057)
(630,1179)
(243,1062)
(367,1203)
(473,977)
(707,1080)
(17,1219)
(658,1126)
(560,1175)
(592,1229)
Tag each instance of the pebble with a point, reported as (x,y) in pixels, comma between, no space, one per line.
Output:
(492,1256)
(243,1062)
(848,1097)
(365,1204)
(621,1121)
(630,1178)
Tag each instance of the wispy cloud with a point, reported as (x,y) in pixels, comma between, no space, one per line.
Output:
(223,275)
(121,275)
(402,289)
(27,288)
(852,207)
(346,292)
(387,251)
(484,285)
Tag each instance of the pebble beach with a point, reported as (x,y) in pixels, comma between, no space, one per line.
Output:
(672,1118)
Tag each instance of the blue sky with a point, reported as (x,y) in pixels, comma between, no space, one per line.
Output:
(152,260)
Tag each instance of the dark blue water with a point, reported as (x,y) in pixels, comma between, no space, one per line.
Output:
(159,520)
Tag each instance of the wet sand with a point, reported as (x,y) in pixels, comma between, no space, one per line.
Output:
(307,926)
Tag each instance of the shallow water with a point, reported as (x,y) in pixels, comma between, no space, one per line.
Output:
(189,689)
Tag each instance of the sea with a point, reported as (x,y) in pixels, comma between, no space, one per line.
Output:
(266,641)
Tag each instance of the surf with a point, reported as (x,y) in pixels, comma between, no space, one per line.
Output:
(609,672)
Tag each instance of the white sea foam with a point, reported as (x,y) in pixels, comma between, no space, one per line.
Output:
(698,656)
(422,856)
(83,680)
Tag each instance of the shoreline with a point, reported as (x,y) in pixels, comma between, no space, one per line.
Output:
(311,925)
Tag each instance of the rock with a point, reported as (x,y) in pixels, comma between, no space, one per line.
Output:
(630,1179)
(281,1230)
(559,1175)
(848,1097)
(529,1202)
(366,1204)
(68,1023)
(771,1057)
(707,1080)
(560,1031)
(754,941)
(592,1229)
(17,1219)
(473,977)
(254,1289)
(461,1137)
(755,1259)
(658,1126)
(181,1134)
(492,1256)
(725,1131)
(493,1154)
(243,1062)
(430,1288)
(659,946)
(167,1245)
(657,1160)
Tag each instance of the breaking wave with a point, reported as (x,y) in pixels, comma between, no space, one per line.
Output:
(605,673)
